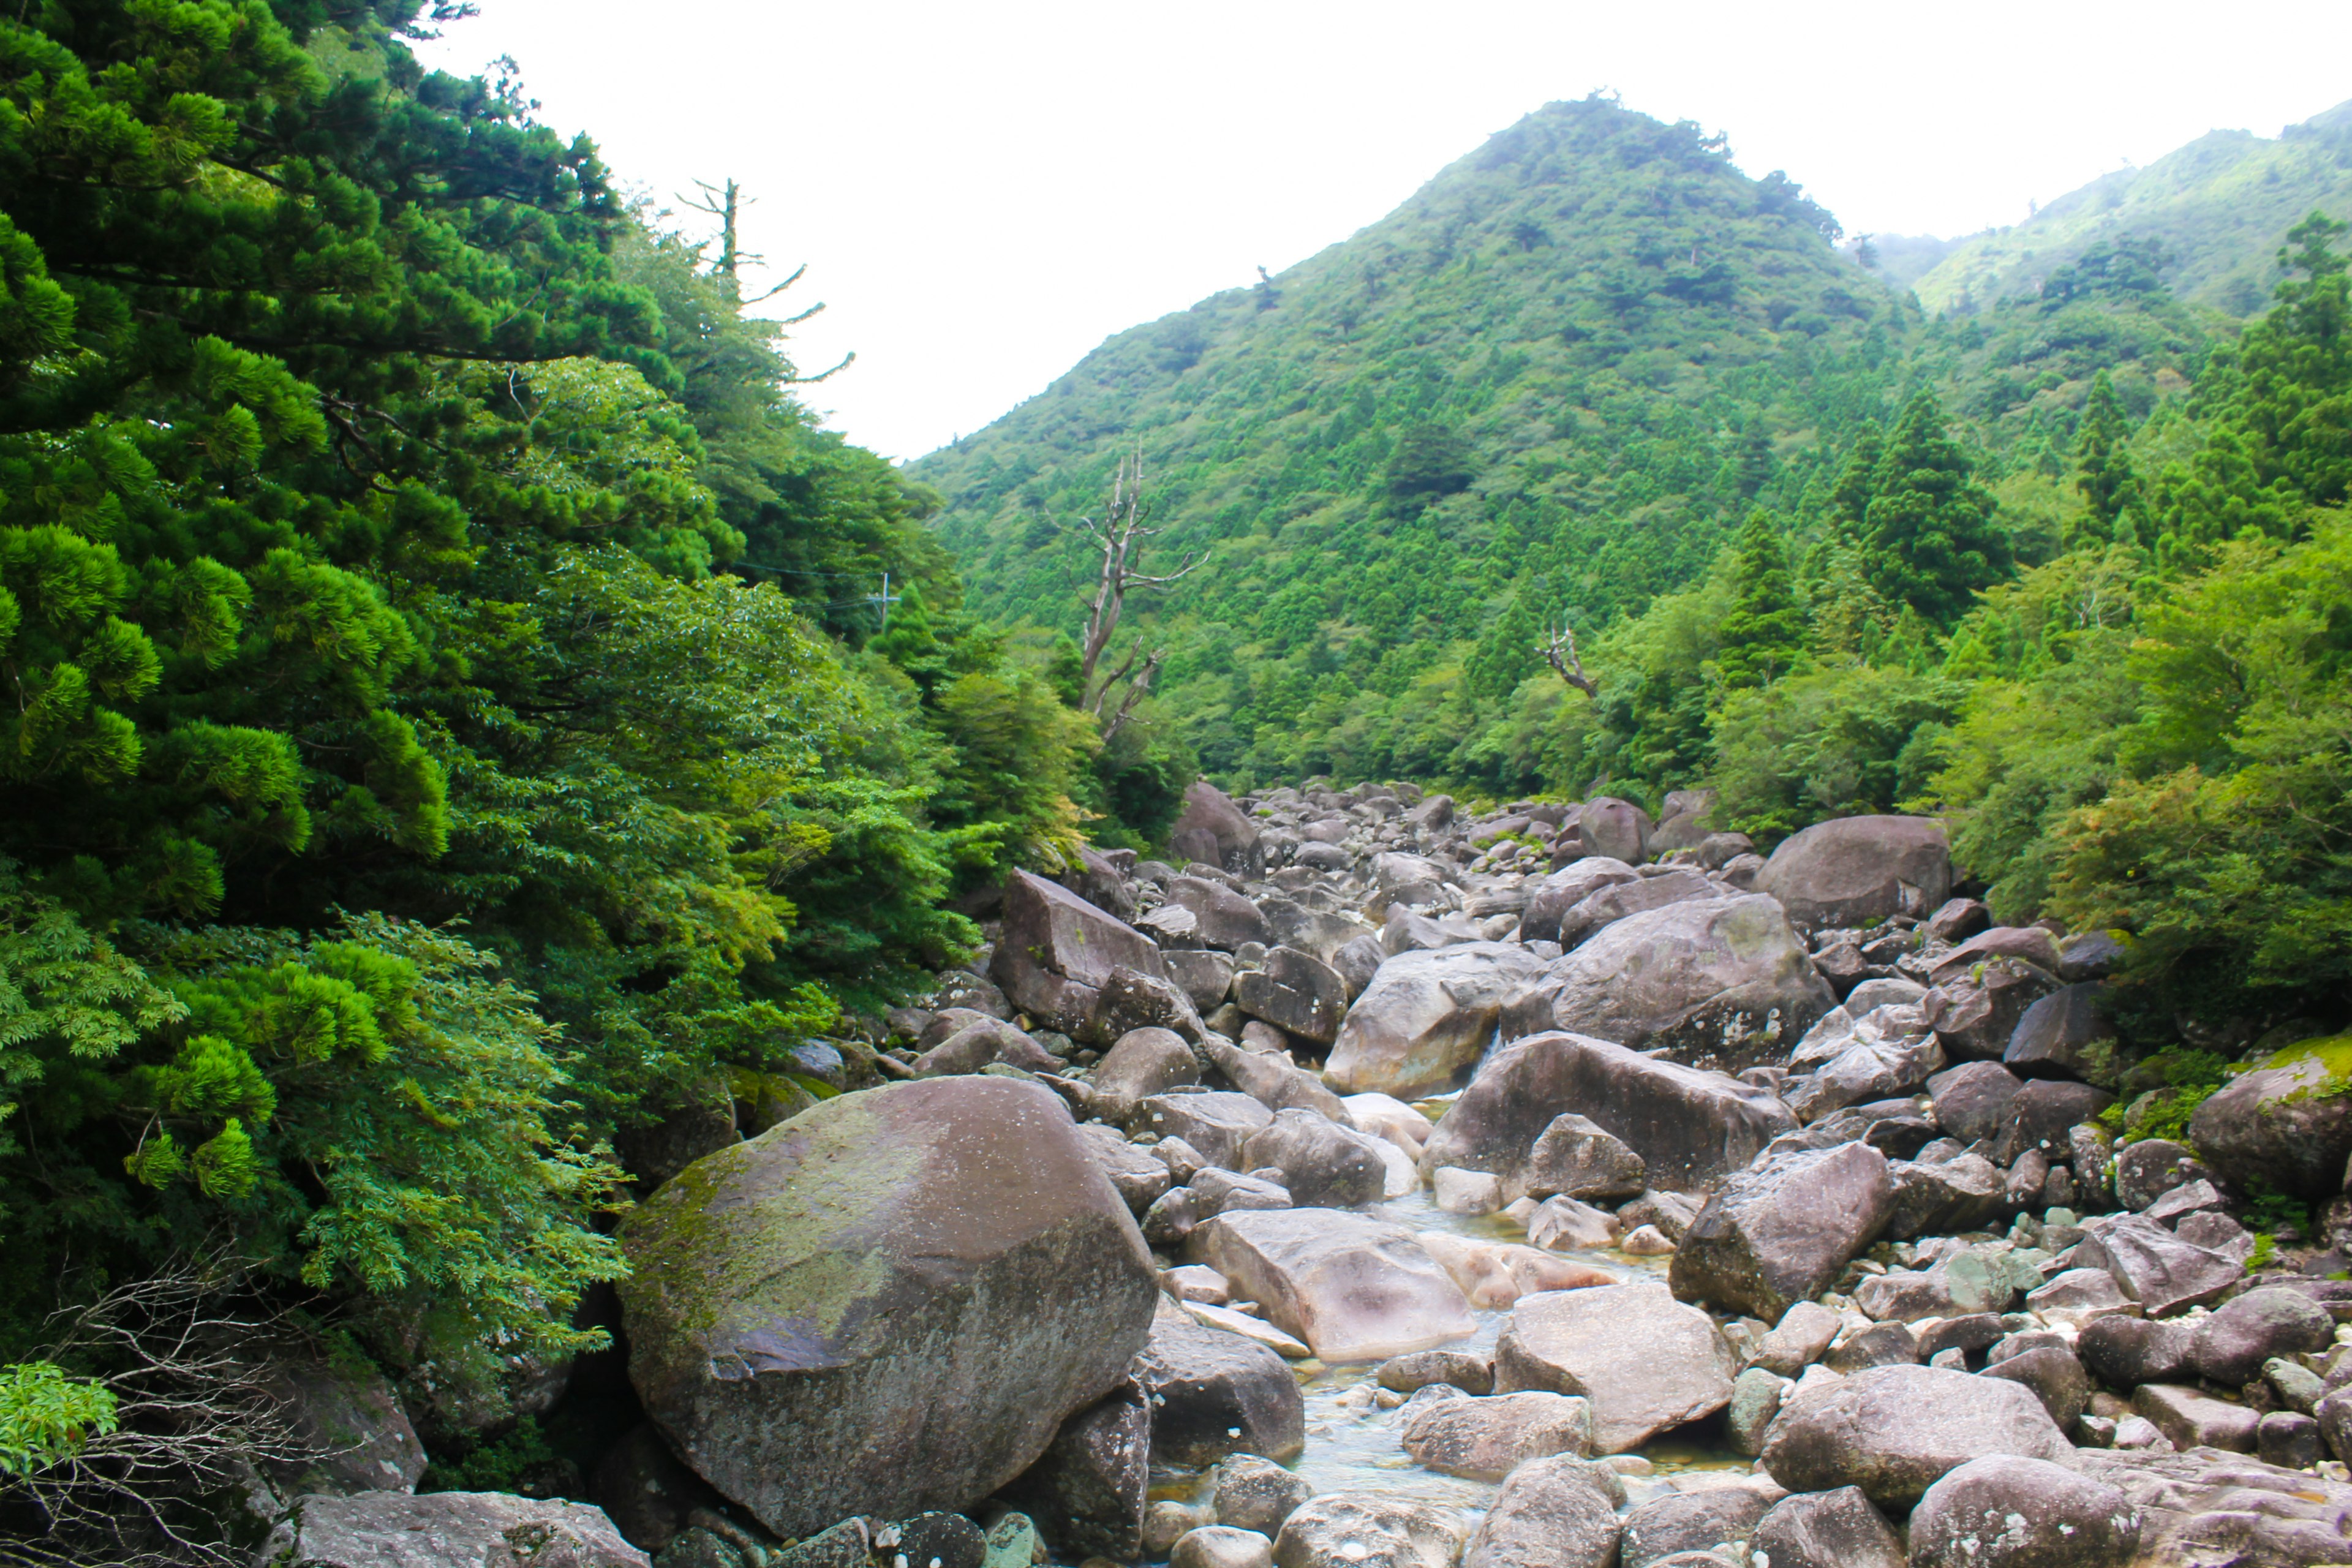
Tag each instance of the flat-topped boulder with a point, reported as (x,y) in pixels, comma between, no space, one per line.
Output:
(1857,870)
(1894,1431)
(1723,981)
(1425,1018)
(1688,1125)
(887,1304)
(1354,1288)
(1646,1362)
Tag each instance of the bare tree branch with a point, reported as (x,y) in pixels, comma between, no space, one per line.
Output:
(197,1419)
(1559,651)
(1119,540)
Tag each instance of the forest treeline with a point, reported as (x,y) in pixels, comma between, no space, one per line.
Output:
(2068,568)
(449,719)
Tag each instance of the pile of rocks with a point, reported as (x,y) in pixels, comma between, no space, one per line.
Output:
(1808,1154)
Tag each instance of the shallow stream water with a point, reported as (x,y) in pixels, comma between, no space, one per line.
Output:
(1354,1445)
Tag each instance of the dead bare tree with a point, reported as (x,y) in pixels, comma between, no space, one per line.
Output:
(196,1421)
(1119,539)
(1559,648)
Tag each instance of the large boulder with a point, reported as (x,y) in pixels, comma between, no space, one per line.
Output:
(445,1529)
(1425,1018)
(2231,1346)
(887,1304)
(1610,904)
(1322,1163)
(2279,1123)
(1972,1099)
(1143,1063)
(1297,993)
(1781,1231)
(1353,1288)
(1857,870)
(2154,1267)
(1214,1393)
(2004,1511)
(1223,918)
(1604,825)
(1976,1012)
(1646,1362)
(1688,1126)
(1894,1431)
(348,1427)
(1690,1522)
(1868,1072)
(2070,1032)
(1576,1157)
(1216,1123)
(1212,828)
(1565,888)
(1719,980)
(1557,1512)
(1058,951)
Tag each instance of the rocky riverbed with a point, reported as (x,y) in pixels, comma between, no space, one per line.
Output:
(1377,1186)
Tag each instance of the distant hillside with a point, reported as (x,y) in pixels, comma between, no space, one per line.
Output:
(1577,355)
(2221,205)
(1549,384)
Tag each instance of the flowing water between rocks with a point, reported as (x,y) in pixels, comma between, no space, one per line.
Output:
(1354,1445)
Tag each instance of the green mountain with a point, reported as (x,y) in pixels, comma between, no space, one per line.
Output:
(1549,386)
(2220,206)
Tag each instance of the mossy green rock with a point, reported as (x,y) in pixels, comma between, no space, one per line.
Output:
(2288,1123)
(887,1304)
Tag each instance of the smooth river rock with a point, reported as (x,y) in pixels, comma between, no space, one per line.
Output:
(1720,981)
(1425,1018)
(1646,1362)
(2003,1511)
(1894,1431)
(1689,1126)
(1781,1232)
(1857,870)
(887,1304)
(1354,1288)
(1551,1513)
(1358,1530)
(445,1529)
(1214,1392)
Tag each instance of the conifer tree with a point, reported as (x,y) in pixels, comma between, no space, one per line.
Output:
(2103,468)
(1932,542)
(1764,632)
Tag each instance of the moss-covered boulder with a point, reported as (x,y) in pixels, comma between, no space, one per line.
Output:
(2288,1123)
(887,1304)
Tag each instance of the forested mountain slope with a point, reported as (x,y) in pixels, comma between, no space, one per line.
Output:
(2221,207)
(1548,387)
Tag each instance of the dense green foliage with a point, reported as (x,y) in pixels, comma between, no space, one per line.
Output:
(2066,568)
(446,723)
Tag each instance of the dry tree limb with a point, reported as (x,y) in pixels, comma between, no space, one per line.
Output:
(196,1425)
(1120,538)
(1559,651)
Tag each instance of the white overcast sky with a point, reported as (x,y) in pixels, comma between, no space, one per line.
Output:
(982,193)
